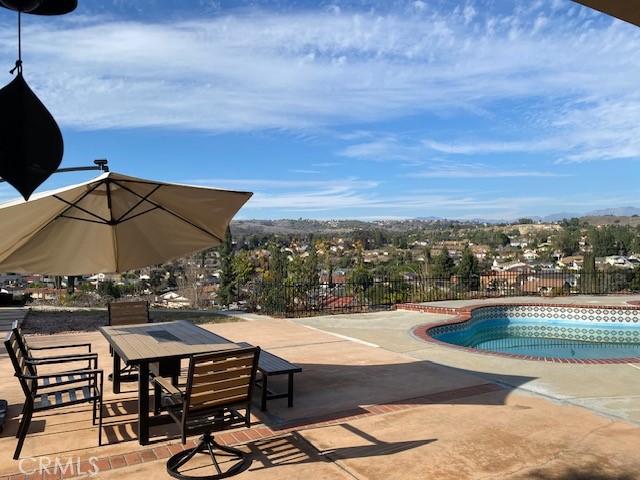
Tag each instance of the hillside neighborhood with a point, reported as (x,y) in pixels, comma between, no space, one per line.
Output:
(527,255)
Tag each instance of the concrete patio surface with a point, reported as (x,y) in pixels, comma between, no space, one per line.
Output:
(361,411)
(612,390)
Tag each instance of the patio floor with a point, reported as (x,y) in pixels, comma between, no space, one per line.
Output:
(361,412)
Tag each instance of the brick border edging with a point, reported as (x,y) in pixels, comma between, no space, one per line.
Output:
(151,454)
(464,314)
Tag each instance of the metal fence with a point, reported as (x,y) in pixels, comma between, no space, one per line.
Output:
(293,299)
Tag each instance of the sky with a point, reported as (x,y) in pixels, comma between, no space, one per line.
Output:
(486,109)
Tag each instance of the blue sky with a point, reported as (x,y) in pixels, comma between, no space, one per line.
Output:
(361,109)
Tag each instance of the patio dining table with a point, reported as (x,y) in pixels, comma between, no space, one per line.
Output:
(165,343)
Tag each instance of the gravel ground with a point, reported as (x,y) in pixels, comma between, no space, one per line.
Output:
(47,322)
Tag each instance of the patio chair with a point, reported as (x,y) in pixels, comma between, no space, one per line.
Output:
(127,313)
(65,376)
(219,386)
(86,389)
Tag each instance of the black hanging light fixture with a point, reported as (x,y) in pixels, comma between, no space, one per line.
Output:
(31,145)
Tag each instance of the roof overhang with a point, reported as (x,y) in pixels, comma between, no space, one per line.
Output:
(627,10)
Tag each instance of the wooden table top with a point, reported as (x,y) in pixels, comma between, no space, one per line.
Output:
(156,341)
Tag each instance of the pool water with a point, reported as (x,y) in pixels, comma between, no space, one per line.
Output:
(543,337)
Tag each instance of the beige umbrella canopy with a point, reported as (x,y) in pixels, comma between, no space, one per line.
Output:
(112,223)
(627,10)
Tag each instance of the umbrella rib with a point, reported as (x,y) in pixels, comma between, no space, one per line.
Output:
(137,215)
(71,205)
(82,197)
(120,219)
(82,219)
(180,217)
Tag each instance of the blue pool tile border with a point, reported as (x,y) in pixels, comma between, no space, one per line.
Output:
(589,314)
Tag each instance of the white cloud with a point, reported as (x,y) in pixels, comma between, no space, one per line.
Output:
(477,170)
(261,183)
(325,164)
(333,66)
(304,171)
(357,198)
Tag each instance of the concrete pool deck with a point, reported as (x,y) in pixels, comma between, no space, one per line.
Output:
(612,390)
(405,411)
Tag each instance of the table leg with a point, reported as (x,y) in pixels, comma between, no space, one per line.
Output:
(143,404)
(157,396)
(264,392)
(116,373)
(290,392)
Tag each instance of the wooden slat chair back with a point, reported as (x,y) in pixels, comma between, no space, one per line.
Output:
(128,313)
(219,380)
(218,386)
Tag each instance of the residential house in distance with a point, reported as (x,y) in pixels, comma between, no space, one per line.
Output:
(172,300)
(620,261)
(573,262)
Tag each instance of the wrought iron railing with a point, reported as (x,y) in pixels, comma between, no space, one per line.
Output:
(287,298)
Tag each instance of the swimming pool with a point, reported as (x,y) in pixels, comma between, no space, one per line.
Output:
(561,332)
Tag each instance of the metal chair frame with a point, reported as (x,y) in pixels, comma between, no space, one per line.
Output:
(219,385)
(65,376)
(89,385)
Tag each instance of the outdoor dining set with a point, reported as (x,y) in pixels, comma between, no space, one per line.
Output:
(216,394)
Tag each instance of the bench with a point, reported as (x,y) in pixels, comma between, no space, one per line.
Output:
(270,365)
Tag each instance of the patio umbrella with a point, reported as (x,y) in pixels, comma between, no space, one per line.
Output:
(627,10)
(112,223)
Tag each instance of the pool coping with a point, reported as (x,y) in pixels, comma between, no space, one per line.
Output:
(464,314)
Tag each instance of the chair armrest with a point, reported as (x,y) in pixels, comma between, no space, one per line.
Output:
(62,359)
(74,345)
(94,372)
(169,387)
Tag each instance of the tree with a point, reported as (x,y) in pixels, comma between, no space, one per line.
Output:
(503,239)
(226,292)
(589,264)
(188,281)
(296,271)
(468,270)
(443,265)
(71,284)
(361,277)
(273,295)
(243,267)
(635,281)
(330,275)
(155,280)
(588,281)
(427,260)
(567,242)
(310,267)
(108,289)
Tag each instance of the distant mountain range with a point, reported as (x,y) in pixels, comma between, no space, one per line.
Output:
(306,226)
(616,212)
